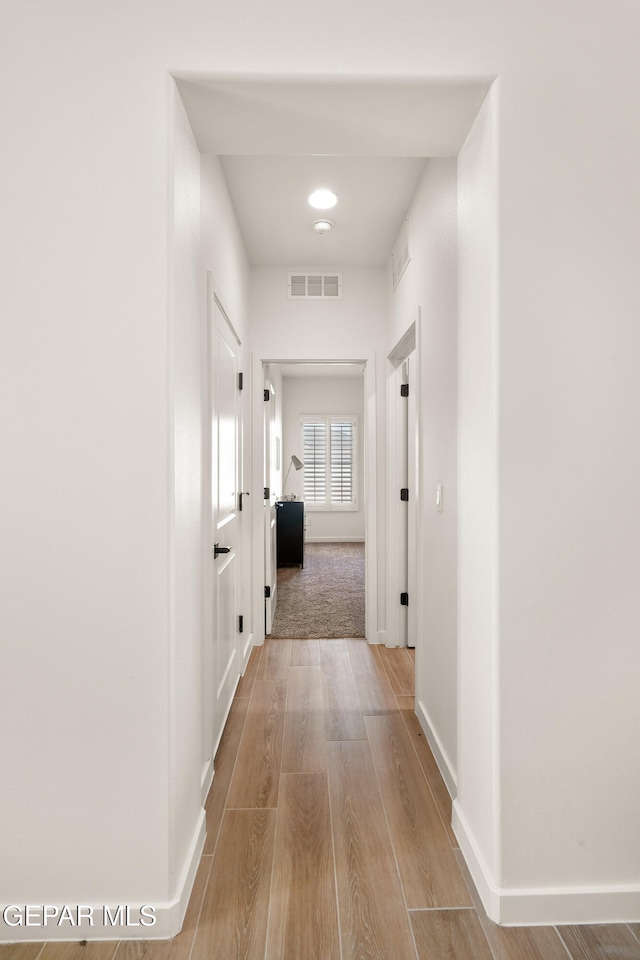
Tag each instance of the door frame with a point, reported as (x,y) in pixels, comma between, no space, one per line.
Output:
(270,408)
(373,633)
(211,736)
(409,343)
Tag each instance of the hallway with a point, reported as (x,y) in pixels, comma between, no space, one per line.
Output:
(327,832)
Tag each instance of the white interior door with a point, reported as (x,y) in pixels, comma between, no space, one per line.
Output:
(402,545)
(225,523)
(270,468)
(412,504)
(404,505)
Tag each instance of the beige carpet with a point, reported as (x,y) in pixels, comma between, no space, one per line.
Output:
(326,597)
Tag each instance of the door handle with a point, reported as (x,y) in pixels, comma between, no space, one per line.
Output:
(218,550)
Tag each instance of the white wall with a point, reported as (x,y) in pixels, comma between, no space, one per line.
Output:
(430,282)
(476,810)
(570,482)
(86,440)
(185,344)
(87,484)
(322,396)
(206,241)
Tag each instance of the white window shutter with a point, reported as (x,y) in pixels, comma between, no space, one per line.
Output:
(314,437)
(329,454)
(342,462)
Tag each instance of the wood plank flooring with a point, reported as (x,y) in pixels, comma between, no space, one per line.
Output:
(328,832)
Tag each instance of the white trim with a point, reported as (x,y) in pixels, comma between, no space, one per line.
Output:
(369,420)
(575,905)
(475,862)
(207,534)
(440,755)
(247,647)
(396,559)
(370,466)
(334,540)
(224,313)
(206,779)
(544,906)
(169,914)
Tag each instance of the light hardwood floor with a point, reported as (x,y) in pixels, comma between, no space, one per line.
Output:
(328,833)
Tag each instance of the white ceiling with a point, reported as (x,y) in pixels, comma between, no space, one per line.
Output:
(270,194)
(366,141)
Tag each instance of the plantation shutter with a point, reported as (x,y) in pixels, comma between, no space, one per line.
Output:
(314,438)
(329,453)
(341,461)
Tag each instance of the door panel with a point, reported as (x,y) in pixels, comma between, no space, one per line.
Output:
(412,512)
(270,467)
(226,658)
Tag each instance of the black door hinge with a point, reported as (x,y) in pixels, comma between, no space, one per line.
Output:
(404,599)
(240,624)
(240,381)
(240,496)
(266,395)
(267,493)
(404,493)
(404,390)
(267,592)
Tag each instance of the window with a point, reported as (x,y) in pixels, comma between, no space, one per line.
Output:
(329,446)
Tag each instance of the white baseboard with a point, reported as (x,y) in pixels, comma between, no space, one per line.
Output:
(477,867)
(246,651)
(334,539)
(440,754)
(92,923)
(544,906)
(575,905)
(381,637)
(206,779)
(178,907)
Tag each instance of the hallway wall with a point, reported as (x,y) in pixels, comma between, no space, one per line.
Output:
(477,805)
(430,283)
(187,319)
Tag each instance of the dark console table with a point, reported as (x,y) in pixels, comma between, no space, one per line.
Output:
(290,532)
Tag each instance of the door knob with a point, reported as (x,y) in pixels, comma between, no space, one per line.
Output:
(218,550)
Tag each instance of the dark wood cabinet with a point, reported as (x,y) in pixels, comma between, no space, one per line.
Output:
(290,532)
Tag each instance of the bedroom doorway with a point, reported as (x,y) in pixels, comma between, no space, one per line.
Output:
(315,472)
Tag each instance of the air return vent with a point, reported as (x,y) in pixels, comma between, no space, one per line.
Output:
(314,286)
(401,254)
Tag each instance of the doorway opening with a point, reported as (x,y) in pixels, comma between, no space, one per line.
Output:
(315,507)
(403,477)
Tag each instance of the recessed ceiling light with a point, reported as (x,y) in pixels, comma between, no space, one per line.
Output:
(323,199)
(323,226)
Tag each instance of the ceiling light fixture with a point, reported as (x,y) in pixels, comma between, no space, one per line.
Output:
(323,199)
(323,226)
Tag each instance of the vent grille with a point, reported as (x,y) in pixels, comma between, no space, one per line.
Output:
(314,286)
(401,254)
